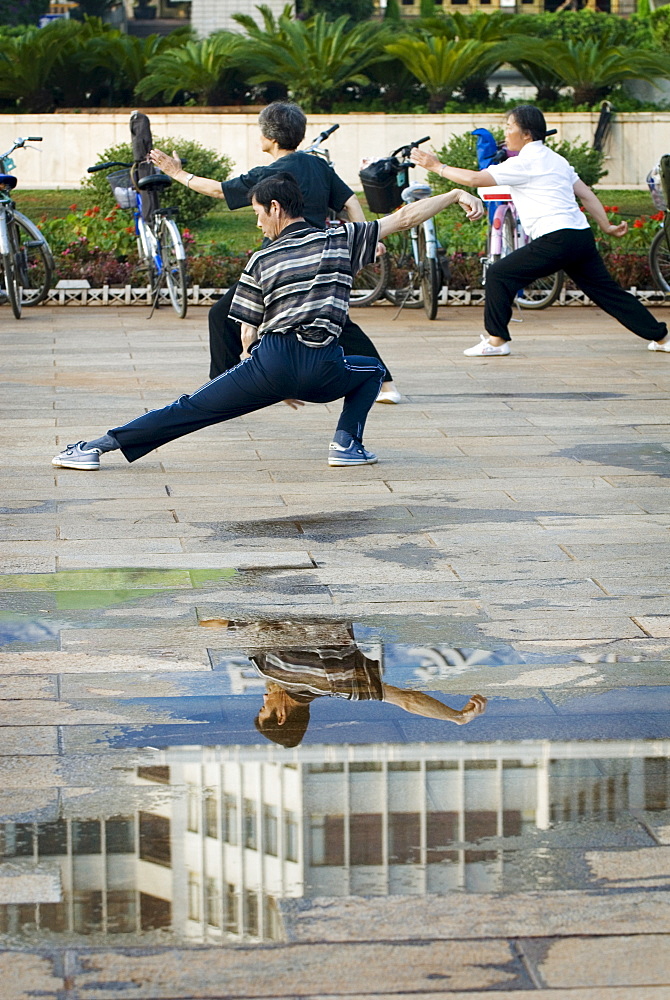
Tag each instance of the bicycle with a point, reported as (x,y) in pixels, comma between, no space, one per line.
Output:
(26,260)
(159,242)
(505,234)
(659,251)
(371,280)
(417,257)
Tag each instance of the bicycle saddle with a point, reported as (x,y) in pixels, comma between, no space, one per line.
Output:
(417,191)
(154,182)
(8,181)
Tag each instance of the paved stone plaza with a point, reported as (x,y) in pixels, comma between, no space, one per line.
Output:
(511,542)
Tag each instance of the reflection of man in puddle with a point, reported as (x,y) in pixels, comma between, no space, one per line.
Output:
(297,676)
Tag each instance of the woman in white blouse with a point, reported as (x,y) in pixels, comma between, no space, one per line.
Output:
(545,189)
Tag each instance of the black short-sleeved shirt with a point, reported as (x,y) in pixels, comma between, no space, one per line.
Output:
(321,188)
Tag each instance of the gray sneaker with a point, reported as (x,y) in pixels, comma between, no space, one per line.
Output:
(76,456)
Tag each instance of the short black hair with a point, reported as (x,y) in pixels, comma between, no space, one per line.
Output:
(530,119)
(283,188)
(289,734)
(283,122)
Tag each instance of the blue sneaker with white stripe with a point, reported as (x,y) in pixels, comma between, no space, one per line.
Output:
(351,453)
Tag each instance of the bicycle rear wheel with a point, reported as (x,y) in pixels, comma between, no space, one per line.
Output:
(659,260)
(174,266)
(370,282)
(536,294)
(35,261)
(430,277)
(404,288)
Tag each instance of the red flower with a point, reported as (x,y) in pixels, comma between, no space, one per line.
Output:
(614,208)
(638,224)
(607,208)
(73,208)
(96,209)
(658,217)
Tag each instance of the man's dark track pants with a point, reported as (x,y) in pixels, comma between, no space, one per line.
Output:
(280,367)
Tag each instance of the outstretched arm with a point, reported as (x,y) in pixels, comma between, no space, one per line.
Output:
(418,211)
(471,178)
(171,165)
(594,207)
(419,703)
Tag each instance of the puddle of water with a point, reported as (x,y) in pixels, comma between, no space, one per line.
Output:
(187,822)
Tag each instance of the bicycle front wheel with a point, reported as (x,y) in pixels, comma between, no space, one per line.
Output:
(11,283)
(35,261)
(371,282)
(404,288)
(659,261)
(430,277)
(174,266)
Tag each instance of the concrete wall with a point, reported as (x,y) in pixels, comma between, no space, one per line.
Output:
(73,141)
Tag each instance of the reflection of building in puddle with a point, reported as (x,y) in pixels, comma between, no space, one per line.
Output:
(245,827)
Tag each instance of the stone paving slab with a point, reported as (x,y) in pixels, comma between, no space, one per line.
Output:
(608,961)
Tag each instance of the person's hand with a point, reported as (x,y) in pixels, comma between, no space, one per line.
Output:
(427,160)
(295,404)
(476,706)
(471,205)
(170,165)
(617,229)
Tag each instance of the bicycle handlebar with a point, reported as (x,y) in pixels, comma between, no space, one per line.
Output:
(106,166)
(405,150)
(20,143)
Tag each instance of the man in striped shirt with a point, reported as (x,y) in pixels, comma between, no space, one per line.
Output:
(292,302)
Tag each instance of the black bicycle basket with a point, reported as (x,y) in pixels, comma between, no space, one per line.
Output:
(383,184)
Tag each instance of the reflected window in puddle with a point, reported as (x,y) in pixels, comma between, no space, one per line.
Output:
(86,837)
(155,913)
(155,839)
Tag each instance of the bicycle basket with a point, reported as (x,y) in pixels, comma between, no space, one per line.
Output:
(383,183)
(122,188)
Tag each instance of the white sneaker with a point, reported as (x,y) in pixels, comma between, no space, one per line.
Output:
(389,396)
(654,345)
(485,348)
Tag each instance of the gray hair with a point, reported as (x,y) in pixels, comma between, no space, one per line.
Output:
(283,122)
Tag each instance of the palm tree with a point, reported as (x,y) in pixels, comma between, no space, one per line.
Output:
(593,67)
(29,62)
(203,69)
(314,59)
(443,64)
(527,55)
(125,58)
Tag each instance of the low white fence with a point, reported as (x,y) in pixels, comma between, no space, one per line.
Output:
(72,142)
(197,296)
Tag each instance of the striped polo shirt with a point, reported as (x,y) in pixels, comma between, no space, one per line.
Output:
(301,282)
(306,674)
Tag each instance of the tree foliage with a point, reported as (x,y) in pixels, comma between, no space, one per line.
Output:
(314,59)
(443,64)
(201,161)
(204,70)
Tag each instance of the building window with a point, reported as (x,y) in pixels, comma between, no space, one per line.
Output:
(193,897)
(155,913)
(327,840)
(250,825)
(157,773)
(212,902)
(272,921)
(230,819)
(478,825)
(404,838)
(365,836)
(87,908)
(120,835)
(270,830)
(251,913)
(52,838)
(16,840)
(290,836)
(211,815)
(192,809)
(121,911)
(232,915)
(155,839)
(441,832)
(86,837)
